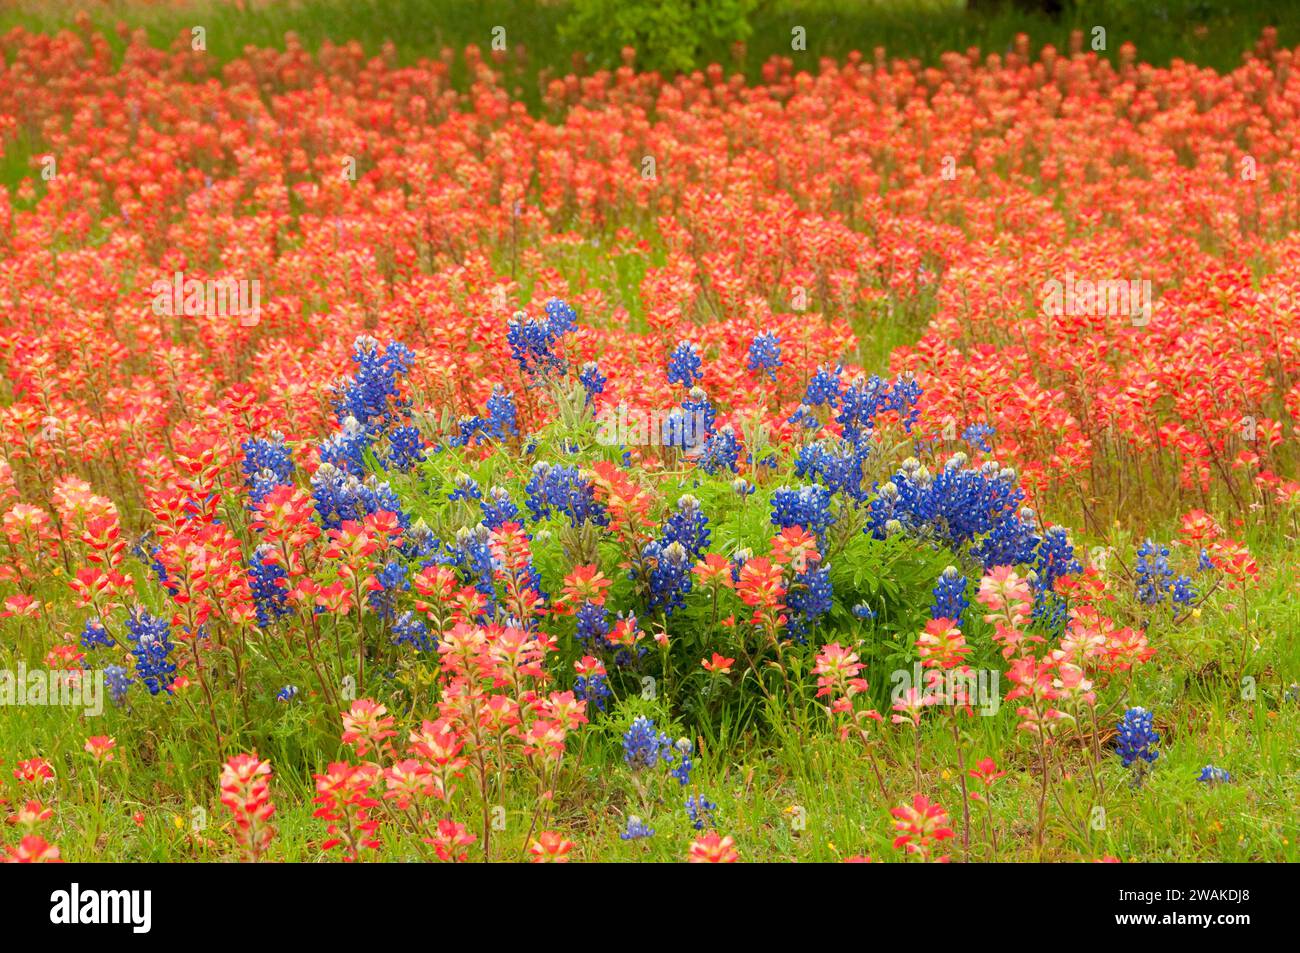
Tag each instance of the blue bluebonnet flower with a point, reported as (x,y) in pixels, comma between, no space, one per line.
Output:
(287,694)
(117,682)
(836,464)
(807,506)
(266,465)
(555,487)
(1203,562)
(373,395)
(1212,775)
(94,635)
(864,611)
(950,600)
(720,451)
(865,398)
(704,415)
(805,418)
(765,353)
(682,770)
(592,380)
(410,629)
(977,436)
(670,559)
(405,448)
(1136,737)
(636,829)
(810,597)
(498,508)
(1054,558)
(700,810)
(1182,592)
(593,627)
(464,488)
(684,365)
(346,449)
(265,579)
(340,496)
(824,388)
(503,417)
(959,506)
(644,746)
(1154,575)
(689,526)
(593,688)
(152,646)
(1156,580)
(531,340)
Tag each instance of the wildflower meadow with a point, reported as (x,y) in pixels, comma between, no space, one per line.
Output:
(540,440)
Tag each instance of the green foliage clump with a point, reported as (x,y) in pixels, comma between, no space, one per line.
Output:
(668,35)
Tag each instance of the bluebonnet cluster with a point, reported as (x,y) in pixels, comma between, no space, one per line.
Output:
(1136,737)
(950,600)
(405,448)
(644,746)
(721,451)
(498,508)
(685,537)
(807,506)
(1212,775)
(836,464)
(593,627)
(977,436)
(472,554)
(372,396)
(556,487)
(592,380)
(810,597)
(94,635)
(346,450)
(866,398)
(636,829)
(340,496)
(698,405)
(287,694)
(265,579)
(1156,580)
(117,682)
(959,506)
(503,417)
(593,689)
(682,770)
(700,810)
(266,465)
(152,647)
(1203,562)
(370,406)
(765,353)
(410,629)
(531,340)
(1054,558)
(464,488)
(824,388)
(392,579)
(684,365)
